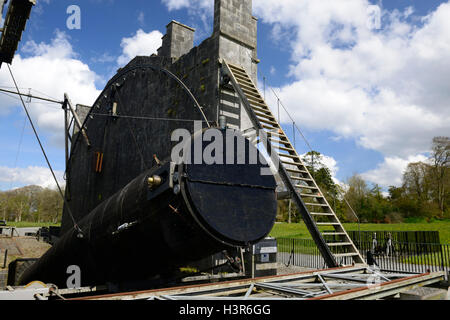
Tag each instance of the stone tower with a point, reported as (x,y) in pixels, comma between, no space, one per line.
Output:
(235,29)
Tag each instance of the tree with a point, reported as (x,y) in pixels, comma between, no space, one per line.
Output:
(20,205)
(416,181)
(3,205)
(440,159)
(52,204)
(314,161)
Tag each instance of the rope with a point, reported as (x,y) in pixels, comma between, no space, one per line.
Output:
(44,153)
(18,148)
(146,118)
(281,103)
(289,115)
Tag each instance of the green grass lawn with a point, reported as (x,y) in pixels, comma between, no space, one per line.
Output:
(299,230)
(25,224)
(428,259)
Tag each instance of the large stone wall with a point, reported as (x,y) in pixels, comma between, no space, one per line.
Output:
(129,144)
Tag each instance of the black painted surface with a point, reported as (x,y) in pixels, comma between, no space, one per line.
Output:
(167,230)
(157,106)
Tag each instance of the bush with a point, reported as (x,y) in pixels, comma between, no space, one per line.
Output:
(394,217)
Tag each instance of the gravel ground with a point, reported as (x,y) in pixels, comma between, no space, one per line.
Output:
(282,269)
(19,247)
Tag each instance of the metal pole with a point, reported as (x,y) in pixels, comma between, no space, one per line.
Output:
(290,204)
(293,132)
(253,262)
(264,80)
(77,119)
(66,134)
(242,260)
(6,258)
(31,96)
(278,103)
(357,219)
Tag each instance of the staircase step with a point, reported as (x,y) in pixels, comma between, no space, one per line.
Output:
(253,100)
(302,179)
(325,214)
(278,141)
(339,244)
(264,110)
(269,122)
(250,87)
(311,195)
(328,223)
(323,205)
(265,115)
(250,93)
(288,156)
(258,104)
(306,187)
(239,71)
(334,233)
(275,146)
(242,79)
(348,254)
(236,67)
(280,134)
(270,128)
(295,170)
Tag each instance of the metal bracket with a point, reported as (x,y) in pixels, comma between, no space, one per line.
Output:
(171,173)
(68,103)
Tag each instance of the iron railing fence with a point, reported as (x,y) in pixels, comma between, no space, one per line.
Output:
(402,257)
(397,236)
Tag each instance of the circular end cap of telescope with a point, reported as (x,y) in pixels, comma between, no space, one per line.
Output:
(230,189)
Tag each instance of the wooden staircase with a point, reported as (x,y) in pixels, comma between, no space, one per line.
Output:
(327,231)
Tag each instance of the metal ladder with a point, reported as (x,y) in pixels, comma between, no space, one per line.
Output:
(316,212)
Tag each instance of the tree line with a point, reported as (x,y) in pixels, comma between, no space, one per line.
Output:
(31,204)
(424,193)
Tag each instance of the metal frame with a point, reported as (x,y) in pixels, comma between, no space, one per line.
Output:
(339,283)
(345,283)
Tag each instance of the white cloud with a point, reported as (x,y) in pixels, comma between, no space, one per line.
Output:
(390,172)
(50,68)
(103,58)
(189,4)
(141,18)
(200,14)
(38,176)
(327,161)
(141,43)
(273,70)
(387,89)
(55,68)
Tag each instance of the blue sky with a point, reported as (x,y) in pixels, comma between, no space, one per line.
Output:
(365,98)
